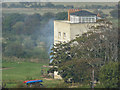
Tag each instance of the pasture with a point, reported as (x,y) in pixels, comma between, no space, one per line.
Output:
(14,73)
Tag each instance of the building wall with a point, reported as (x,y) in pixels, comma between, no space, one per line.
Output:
(56,76)
(71,30)
(63,27)
(78,29)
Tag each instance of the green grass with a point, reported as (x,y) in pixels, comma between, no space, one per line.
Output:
(19,72)
(52,83)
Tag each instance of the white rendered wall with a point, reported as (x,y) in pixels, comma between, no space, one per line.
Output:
(83,19)
(62,27)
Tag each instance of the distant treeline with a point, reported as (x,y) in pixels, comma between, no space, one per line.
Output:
(24,36)
(51,5)
(34,5)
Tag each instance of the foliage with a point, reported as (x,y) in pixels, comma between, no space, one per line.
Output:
(10,20)
(74,69)
(101,13)
(77,58)
(61,16)
(18,27)
(109,75)
(16,48)
(50,5)
(23,37)
(51,70)
(114,13)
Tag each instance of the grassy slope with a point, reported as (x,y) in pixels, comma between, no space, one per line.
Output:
(19,72)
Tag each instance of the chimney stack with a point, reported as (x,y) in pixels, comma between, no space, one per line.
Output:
(69,15)
(72,11)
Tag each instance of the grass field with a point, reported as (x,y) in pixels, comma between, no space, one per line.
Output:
(15,73)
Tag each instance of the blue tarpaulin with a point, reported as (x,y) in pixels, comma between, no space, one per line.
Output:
(34,81)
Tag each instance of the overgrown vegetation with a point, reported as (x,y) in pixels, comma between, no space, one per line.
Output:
(24,36)
(20,38)
(109,75)
(77,59)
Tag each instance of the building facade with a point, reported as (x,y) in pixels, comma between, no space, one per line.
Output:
(76,25)
(76,19)
(83,17)
(65,31)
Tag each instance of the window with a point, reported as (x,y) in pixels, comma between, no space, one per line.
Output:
(87,20)
(83,19)
(92,19)
(59,34)
(77,19)
(71,19)
(64,35)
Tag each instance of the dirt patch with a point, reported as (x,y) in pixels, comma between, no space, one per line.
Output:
(48,78)
(6,68)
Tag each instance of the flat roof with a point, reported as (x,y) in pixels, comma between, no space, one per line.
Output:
(83,13)
(65,21)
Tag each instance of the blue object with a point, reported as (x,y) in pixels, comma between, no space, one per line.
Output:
(34,81)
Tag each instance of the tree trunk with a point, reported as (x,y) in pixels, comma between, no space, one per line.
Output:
(93,79)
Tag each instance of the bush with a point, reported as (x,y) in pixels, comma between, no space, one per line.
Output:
(109,75)
(114,13)
(61,16)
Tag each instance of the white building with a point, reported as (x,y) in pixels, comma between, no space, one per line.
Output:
(78,23)
(83,17)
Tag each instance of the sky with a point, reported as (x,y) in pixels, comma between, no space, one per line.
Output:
(59,0)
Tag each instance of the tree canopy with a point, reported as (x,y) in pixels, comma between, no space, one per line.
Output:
(77,58)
